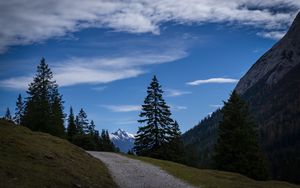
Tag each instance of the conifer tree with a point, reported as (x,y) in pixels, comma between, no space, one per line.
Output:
(159,126)
(57,115)
(173,150)
(82,122)
(106,142)
(79,129)
(19,110)
(91,128)
(7,115)
(175,131)
(71,129)
(43,106)
(238,148)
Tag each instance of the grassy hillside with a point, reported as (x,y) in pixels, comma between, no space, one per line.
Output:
(212,178)
(31,159)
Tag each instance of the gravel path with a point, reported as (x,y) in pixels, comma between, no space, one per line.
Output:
(130,173)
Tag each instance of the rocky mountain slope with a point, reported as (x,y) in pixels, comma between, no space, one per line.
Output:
(276,63)
(272,89)
(123,140)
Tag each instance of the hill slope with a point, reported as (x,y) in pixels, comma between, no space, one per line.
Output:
(31,159)
(271,88)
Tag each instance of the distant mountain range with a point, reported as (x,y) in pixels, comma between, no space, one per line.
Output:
(123,140)
(272,89)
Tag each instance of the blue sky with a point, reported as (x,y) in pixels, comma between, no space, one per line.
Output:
(105,53)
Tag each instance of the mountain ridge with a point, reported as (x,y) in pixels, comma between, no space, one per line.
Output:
(272,90)
(281,58)
(123,140)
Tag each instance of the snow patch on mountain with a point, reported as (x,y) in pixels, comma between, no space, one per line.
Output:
(123,140)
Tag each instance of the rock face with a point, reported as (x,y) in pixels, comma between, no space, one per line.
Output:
(123,140)
(278,61)
(272,89)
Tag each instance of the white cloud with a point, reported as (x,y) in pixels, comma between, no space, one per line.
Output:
(272,34)
(177,108)
(20,83)
(176,93)
(98,70)
(24,22)
(216,105)
(212,81)
(122,108)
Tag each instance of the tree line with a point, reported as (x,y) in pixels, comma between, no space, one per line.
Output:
(237,148)
(43,111)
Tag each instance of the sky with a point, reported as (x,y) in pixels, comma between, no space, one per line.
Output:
(104,53)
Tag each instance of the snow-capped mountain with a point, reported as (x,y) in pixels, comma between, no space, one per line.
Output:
(123,140)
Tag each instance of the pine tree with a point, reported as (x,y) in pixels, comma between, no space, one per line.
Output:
(91,128)
(175,131)
(7,115)
(156,115)
(238,148)
(98,140)
(43,106)
(173,150)
(82,122)
(106,142)
(56,113)
(19,110)
(71,128)
(79,129)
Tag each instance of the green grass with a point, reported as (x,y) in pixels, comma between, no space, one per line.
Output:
(32,159)
(212,178)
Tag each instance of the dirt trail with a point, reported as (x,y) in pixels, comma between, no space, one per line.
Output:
(130,173)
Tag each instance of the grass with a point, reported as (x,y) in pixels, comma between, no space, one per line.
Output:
(33,159)
(212,178)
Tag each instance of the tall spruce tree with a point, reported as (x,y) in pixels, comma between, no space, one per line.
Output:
(56,113)
(43,106)
(91,128)
(173,150)
(7,115)
(71,128)
(107,145)
(238,148)
(83,122)
(79,128)
(159,126)
(19,110)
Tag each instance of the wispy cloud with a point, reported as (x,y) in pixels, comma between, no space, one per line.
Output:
(99,88)
(175,92)
(25,22)
(212,81)
(272,34)
(122,108)
(19,83)
(216,105)
(98,70)
(177,107)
